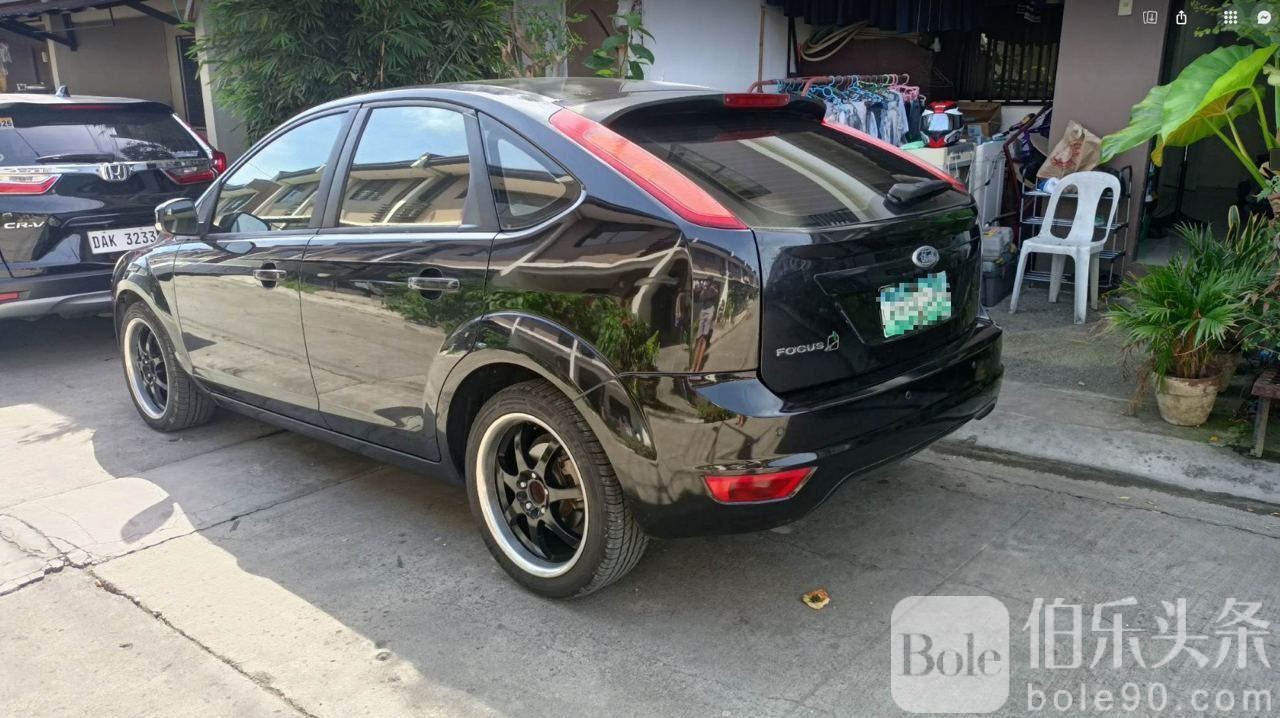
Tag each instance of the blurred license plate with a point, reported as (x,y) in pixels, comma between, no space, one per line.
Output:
(911,305)
(118,240)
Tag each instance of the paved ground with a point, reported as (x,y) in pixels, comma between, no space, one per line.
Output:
(236,570)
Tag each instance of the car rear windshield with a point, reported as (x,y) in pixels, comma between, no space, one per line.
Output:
(62,134)
(779,169)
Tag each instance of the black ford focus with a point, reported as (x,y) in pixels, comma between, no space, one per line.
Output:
(80,178)
(613,310)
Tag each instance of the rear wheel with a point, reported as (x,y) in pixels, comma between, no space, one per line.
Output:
(162,392)
(549,504)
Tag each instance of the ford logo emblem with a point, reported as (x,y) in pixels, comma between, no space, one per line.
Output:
(925,257)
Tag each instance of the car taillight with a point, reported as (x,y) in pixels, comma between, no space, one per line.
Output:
(897,152)
(664,182)
(748,488)
(194,174)
(753,100)
(9,296)
(219,161)
(27,183)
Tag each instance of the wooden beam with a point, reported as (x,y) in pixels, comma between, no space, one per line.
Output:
(152,12)
(35,33)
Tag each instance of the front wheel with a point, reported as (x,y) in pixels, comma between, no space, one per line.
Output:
(162,392)
(550,507)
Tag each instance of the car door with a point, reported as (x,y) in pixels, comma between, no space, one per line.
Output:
(398,267)
(237,287)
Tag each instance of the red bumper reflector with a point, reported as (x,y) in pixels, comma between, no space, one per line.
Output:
(931,169)
(662,181)
(751,100)
(747,488)
(9,296)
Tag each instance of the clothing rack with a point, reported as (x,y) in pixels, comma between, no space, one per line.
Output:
(883,79)
(884,106)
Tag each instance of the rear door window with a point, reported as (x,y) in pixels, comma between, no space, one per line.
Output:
(412,168)
(778,169)
(37,134)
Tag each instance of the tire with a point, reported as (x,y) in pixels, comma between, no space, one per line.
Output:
(529,512)
(165,396)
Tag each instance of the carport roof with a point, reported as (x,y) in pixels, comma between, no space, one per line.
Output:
(13,11)
(21,8)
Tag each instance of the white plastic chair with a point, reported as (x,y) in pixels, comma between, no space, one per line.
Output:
(1079,244)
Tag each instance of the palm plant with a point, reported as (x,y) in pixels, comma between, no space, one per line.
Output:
(1250,249)
(1179,316)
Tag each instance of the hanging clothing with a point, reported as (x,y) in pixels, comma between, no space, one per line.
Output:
(879,109)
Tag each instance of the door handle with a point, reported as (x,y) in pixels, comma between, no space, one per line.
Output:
(434,284)
(270,275)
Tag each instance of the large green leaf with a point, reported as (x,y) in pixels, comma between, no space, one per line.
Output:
(1144,123)
(1200,100)
(1196,104)
(1204,123)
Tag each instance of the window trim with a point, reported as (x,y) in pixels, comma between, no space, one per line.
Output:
(493,200)
(477,185)
(208,202)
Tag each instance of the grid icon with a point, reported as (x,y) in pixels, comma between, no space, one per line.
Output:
(1230,17)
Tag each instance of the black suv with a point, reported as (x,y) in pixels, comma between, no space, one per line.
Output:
(80,178)
(613,309)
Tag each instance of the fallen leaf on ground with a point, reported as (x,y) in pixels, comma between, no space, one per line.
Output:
(816,600)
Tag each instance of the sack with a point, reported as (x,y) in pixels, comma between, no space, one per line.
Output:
(1079,150)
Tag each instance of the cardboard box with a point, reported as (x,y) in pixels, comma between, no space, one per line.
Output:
(985,115)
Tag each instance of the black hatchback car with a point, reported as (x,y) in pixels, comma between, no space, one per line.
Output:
(80,178)
(613,310)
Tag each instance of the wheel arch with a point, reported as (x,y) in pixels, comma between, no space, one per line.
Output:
(137,279)
(511,348)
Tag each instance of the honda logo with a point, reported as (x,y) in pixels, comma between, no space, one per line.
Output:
(114,171)
(925,257)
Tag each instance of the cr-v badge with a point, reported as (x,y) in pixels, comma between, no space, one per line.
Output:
(832,344)
(925,257)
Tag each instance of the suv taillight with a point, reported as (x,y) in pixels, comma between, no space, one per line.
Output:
(662,181)
(194,174)
(27,183)
(219,161)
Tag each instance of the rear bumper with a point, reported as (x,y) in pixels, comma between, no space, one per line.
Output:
(66,295)
(841,435)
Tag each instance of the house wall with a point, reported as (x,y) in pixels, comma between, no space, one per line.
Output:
(1107,63)
(714,42)
(126,59)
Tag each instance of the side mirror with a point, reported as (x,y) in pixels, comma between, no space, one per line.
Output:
(178,217)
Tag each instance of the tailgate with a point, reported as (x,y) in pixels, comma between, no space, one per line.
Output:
(869,258)
(853,304)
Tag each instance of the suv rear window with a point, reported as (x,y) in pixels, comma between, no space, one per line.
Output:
(777,169)
(39,134)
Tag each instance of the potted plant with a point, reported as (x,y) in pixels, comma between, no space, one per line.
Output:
(1180,315)
(1248,251)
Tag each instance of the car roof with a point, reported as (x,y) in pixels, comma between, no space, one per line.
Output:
(33,98)
(595,97)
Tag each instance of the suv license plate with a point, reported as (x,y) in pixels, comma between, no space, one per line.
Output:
(120,240)
(911,305)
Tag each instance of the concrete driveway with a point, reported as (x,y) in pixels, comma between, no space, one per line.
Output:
(238,570)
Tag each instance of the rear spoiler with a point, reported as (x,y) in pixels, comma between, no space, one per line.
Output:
(610,111)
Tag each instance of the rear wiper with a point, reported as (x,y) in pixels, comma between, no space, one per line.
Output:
(911,192)
(77,157)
